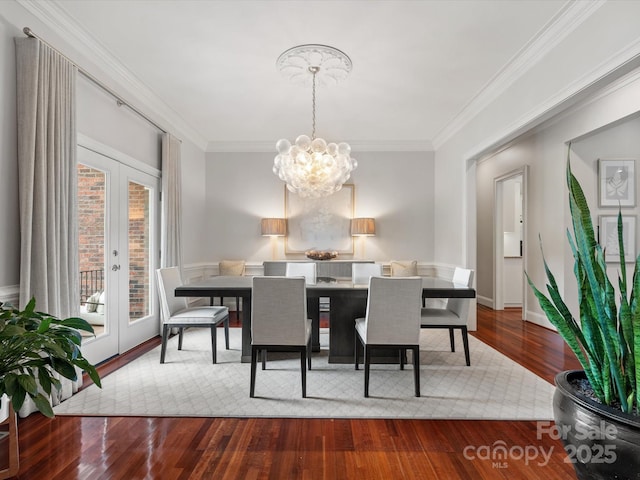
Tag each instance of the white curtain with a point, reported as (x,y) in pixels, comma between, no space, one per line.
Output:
(171,221)
(46,116)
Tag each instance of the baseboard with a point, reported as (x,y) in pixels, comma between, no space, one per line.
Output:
(10,294)
(539,319)
(485,301)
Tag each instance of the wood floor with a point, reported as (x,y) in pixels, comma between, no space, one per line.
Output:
(233,448)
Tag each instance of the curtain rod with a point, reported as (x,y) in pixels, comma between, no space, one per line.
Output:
(29,33)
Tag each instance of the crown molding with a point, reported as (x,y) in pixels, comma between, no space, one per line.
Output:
(598,79)
(357,146)
(570,16)
(62,24)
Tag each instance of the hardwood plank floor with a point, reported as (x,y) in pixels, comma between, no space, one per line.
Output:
(240,448)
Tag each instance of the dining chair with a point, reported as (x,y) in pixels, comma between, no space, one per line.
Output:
(455,315)
(279,322)
(392,320)
(176,312)
(361,272)
(232,268)
(308,270)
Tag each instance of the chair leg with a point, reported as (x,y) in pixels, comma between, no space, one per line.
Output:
(238,310)
(367,369)
(308,350)
(226,333)
(165,336)
(416,368)
(356,350)
(402,353)
(254,361)
(465,341)
(180,335)
(452,340)
(264,359)
(214,341)
(303,371)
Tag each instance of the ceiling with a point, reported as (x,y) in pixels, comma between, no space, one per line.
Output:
(416,64)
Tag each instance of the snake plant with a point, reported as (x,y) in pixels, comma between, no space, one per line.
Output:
(34,348)
(607,336)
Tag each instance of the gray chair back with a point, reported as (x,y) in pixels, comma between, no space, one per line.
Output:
(361,272)
(278,311)
(460,306)
(393,310)
(168,280)
(308,270)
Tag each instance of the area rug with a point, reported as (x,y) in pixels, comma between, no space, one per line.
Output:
(188,384)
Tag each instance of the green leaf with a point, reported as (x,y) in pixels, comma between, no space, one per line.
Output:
(65,368)
(44,325)
(77,323)
(44,405)
(28,383)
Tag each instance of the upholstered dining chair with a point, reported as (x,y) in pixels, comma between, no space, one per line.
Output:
(308,270)
(361,272)
(176,312)
(455,315)
(279,322)
(392,320)
(232,268)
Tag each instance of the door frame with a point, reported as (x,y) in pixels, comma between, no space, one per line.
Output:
(129,165)
(498,234)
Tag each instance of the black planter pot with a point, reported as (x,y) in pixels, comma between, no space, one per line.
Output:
(602,442)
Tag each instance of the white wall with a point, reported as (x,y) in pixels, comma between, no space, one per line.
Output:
(100,119)
(545,151)
(10,237)
(586,59)
(396,188)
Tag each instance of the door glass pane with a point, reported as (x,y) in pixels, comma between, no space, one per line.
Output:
(139,251)
(91,236)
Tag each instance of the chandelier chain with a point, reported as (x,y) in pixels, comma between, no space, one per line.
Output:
(313,107)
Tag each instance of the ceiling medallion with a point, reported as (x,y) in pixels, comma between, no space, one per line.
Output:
(311,167)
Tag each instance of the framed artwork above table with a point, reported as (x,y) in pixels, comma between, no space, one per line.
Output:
(320,223)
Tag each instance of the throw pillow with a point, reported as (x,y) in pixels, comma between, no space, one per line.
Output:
(404,269)
(101,300)
(92,302)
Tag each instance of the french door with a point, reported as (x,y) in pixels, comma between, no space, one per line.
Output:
(118,210)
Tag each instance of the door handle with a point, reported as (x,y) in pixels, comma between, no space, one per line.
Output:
(115,268)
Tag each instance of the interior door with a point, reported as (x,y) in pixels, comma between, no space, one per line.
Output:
(118,250)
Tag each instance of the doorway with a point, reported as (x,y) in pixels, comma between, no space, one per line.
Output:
(510,222)
(118,249)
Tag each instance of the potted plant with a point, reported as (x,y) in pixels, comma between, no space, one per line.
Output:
(34,347)
(596,409)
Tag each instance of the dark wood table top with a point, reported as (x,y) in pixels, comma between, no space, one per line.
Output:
(241,285)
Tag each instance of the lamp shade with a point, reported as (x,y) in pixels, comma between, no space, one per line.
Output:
(275,227)
(363,227)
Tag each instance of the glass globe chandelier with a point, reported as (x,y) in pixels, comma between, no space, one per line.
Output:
(311,167)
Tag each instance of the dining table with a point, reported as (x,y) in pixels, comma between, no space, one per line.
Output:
(347,301)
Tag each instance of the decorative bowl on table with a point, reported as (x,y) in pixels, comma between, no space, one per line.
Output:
(321,254)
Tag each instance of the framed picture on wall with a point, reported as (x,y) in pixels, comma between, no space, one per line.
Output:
(617,183)
(320,223)
(608,233)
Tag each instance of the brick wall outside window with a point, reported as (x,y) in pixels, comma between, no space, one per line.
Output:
(91,208)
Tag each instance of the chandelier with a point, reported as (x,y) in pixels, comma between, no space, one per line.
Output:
(311,167)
